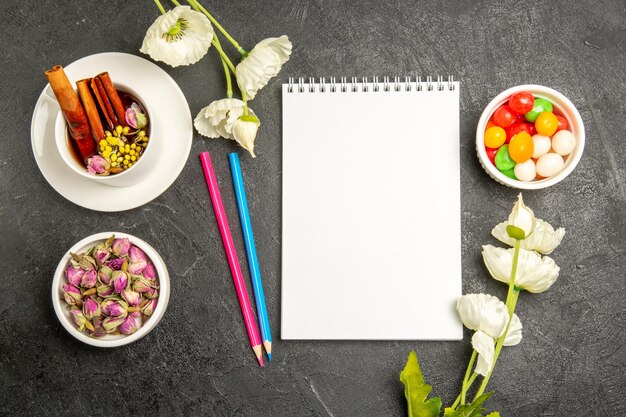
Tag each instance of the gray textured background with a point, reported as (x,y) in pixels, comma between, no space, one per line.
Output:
(197,361)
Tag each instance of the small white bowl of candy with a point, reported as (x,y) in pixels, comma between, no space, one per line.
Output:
(530,137)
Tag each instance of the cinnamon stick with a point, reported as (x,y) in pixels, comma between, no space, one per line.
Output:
(106,103)
(114,97)
(90,108)
(73,111)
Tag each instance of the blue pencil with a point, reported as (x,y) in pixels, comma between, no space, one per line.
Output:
(253,261)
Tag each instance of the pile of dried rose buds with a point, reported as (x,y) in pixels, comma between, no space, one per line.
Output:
(111,289)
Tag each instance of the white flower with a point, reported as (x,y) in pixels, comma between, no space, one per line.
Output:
(244,132)
(224,118)
(489,317)
(534,273)
(522,218)
(179,37)
(544,238)
(484,345)
(483,312)
(262,63)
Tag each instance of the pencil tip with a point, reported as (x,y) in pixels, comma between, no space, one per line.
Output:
(269,356)
(258,353)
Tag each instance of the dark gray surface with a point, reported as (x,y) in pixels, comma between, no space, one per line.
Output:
(197,361)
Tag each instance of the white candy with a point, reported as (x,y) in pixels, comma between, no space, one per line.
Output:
(550,164)
(563,142)
(541,144)
(525,171)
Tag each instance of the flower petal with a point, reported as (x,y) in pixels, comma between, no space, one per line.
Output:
(244,133)
(514,335)
(214,120)
(483,312)
(544,238)
(484,345)
(262,63)
(534,273)
(191,45)
(522,217)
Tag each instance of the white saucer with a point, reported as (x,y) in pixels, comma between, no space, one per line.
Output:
(171,118)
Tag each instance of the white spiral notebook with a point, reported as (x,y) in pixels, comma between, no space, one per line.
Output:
(371,245)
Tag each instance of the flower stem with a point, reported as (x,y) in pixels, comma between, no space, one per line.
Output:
(511,302)
(197,6)
(158,3)
(229,86)
(215,42)
(469,384)
(176,3)
(464,387)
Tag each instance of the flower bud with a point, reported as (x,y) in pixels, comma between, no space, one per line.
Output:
(104,274)
(114,307)
(101,253)
(104,290)
(116,264)
(149,272)
(245,130)
(74,275)
(121,246)
(129,324)
(152,293)
(137,255)
(91,308)
(137,268)
(110,324)
(71,294)
(133,298)
(78,318)
(521,220)
(142,285)
(97,165)
(90,278)
(149,308)
(119,279)
(98,330)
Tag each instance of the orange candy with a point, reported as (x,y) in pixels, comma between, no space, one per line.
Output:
(547,123)
(495,137)
(490,123)
(521,147)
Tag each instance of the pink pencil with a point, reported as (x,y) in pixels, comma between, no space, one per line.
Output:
(231,255)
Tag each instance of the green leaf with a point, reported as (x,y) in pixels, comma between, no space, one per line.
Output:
(470,410)
(416,390)
(494,414)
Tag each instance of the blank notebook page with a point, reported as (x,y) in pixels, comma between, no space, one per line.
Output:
(371,245)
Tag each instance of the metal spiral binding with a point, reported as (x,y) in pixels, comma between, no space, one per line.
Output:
(386,85)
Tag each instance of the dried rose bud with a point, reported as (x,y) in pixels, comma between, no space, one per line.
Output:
(78,318)
(91,308)
(104,274)
(97,165)
(137,255)
(116,264)
(152,293)
(121,246)
(71,294)
(149,271)
(101,253)
(119,279)
(148,309)
(114,307)
(87,262)
(142,285)
(104,290)
(74,274)
(137,268)
(110,324)
(90,278)
(98,330)
(129,325)
(133,298)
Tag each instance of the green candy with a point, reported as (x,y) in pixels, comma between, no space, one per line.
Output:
(510,173)
(541,105)
(503,159)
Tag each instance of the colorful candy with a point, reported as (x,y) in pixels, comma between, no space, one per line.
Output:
(504,116)
(546,123)
(521,147)
(522,102)
(541,105)
(563,142)
(494,137)
(503,159)
(550,164)
(526,140)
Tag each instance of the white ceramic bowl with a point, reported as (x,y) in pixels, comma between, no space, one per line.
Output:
(109,341)
(130,176)
(561,106)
